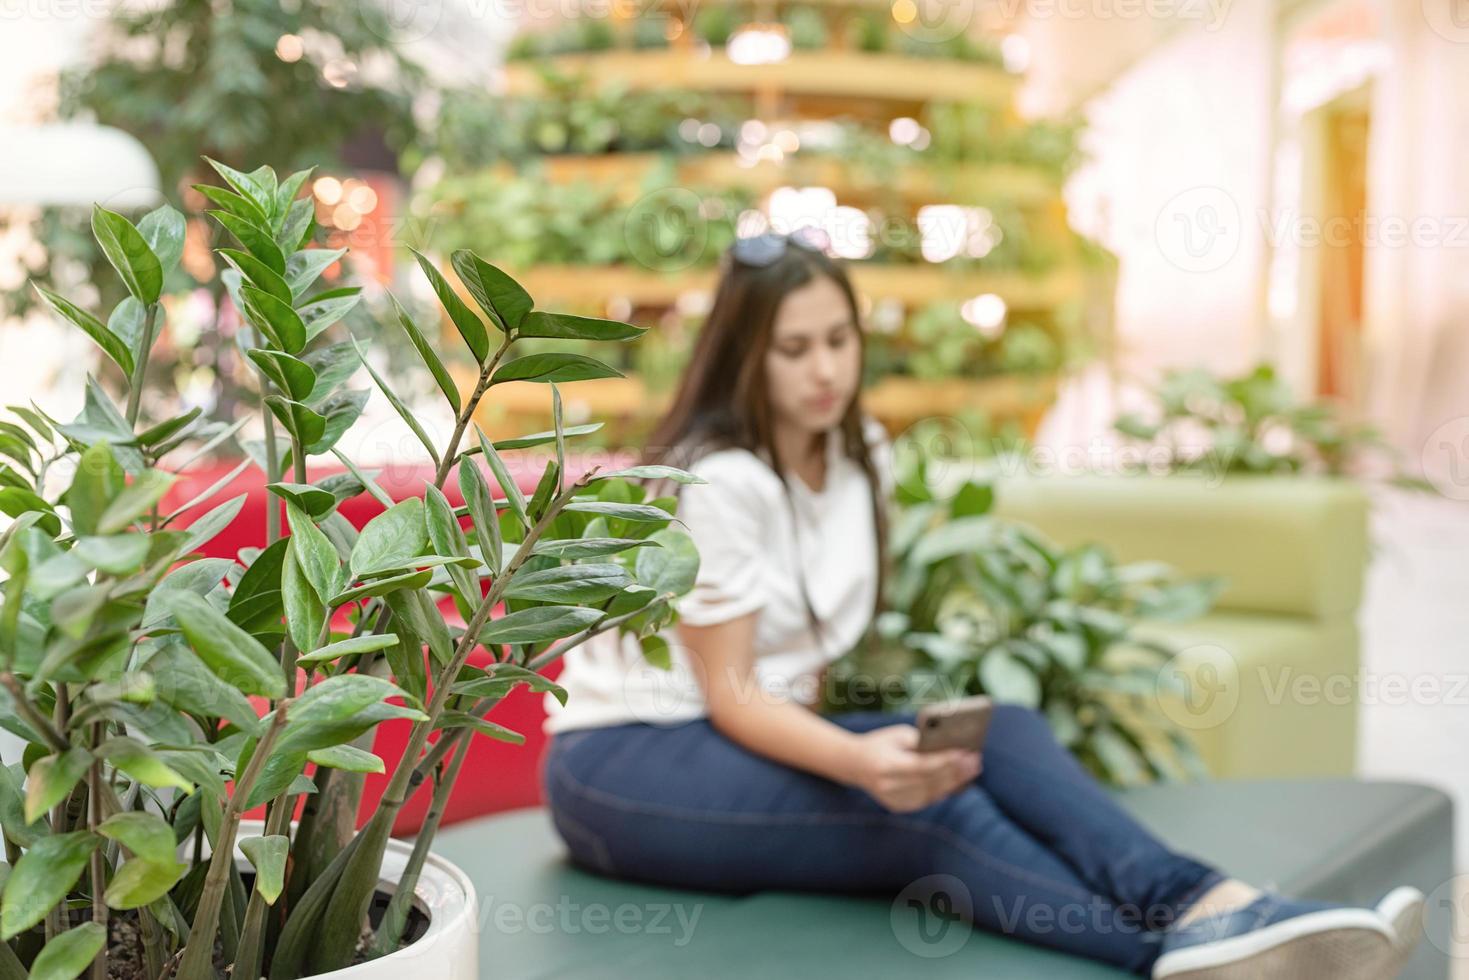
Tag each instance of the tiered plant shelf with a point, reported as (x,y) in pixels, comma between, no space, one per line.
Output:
(911,285)
(865,86)
(842,74)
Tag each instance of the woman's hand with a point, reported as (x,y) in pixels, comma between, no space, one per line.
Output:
(892,770)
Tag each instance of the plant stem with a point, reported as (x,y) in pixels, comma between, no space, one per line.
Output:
(298,460)
(272,475)
(395,919)
(135,383)
(198,953)
(343,920)
(33,717)
(462,423)
(94,817)
(446,743)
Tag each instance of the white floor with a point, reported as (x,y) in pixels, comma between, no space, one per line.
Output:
(1415,658)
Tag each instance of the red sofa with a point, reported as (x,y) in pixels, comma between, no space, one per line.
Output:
(496,776)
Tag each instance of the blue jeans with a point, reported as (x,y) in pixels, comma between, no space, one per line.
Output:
(1034,848)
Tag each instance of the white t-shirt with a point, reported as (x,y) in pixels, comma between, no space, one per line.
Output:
(751,549)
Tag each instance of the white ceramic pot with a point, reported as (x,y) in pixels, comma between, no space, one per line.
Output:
(448,950)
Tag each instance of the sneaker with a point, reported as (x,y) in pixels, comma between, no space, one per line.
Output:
(1277,938)
(1402,909)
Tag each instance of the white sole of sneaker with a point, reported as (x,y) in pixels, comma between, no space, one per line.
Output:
(1333,944)
(1402,908)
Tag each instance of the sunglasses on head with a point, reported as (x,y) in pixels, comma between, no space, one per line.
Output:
(759,251)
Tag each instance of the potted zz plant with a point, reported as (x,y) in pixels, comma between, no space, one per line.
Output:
(160,697)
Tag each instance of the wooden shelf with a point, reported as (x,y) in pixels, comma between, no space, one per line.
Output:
(897,402)
(912,285)
(915,185)
(846,74)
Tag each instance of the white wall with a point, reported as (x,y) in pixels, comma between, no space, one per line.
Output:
(1180,173)
(1417,297)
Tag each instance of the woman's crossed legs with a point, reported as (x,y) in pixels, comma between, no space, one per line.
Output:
(1035,848)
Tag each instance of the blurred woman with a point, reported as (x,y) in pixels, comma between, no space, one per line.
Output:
(717,774)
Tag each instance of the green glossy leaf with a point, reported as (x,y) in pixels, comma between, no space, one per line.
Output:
(347,757)
(430,357)
(256,187)
(415,612)
(128,322)
(300,420)
(276,318)
(267,856)
(168,429)
(163,229)
(112,345)
(313,501)
(305,611)
(325,309)
(391,538)
(205,528)
(542,438)
(539,623)
(513,497)
(470,327)
(448,540)
(338,709)
(351,647)
(128,251)
(140,762)
(501,678)
(671,568)
(306,266)
(403,411)
(588,547)
(17,503)
(232,203)
(1006,678)
(570,584)
(641,513)
(650,472)
(460,719)
(500,296)
(145,834)
(42,877)
(256,239)
(482,513)
(258,274)
(69,954)
(564,326)
(116,554)
(50,780)
(315,553)
(134,501)
(139,883)
(559,367)
(234,655)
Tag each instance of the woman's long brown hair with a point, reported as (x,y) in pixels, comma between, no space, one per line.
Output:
(722,402)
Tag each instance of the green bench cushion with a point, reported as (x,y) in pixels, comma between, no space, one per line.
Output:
(1274,696)
(540,917)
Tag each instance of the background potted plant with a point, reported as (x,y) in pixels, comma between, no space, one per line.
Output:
(159,697)
(979,604)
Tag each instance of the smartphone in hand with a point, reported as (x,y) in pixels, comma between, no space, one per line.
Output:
(959,724)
